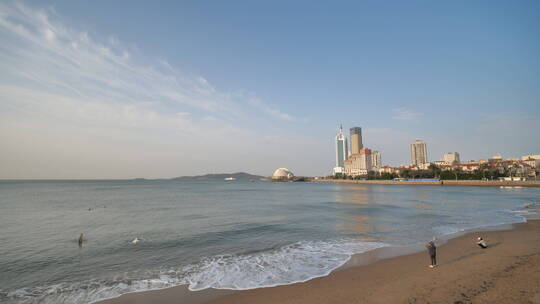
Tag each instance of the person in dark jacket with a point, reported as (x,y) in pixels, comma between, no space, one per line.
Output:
(432,250)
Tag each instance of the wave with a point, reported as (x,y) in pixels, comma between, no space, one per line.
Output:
(298,262)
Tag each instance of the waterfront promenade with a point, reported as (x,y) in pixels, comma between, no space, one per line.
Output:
(437,183)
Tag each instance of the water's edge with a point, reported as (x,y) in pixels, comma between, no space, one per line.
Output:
(356,260)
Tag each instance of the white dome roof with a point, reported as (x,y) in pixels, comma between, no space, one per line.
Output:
(282,173)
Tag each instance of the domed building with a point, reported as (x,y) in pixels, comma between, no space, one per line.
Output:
(282,174)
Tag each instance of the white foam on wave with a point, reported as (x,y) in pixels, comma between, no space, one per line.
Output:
(82,292)
(515,216)
(446,230)
(298,262)
(521,212)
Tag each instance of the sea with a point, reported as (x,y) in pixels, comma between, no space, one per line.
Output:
(220,234)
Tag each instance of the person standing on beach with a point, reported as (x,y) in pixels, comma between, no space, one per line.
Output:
(432,250)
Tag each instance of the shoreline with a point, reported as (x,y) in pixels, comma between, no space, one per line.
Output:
(474,183)
(380,262)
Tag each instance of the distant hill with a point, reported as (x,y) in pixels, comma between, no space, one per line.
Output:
(238,175)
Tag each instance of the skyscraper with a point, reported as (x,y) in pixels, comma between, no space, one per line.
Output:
(419,153)
(341,151)
(375,159)
(356,140)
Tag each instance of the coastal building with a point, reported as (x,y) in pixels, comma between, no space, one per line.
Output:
(528,157)
(439,163)
(356,140)
(531,162)
(282,174)
(342,151)
(359,163)
(496,158)
(451,158)
(376,159)
(419,155)
(424,166)
(469,166)
(385,169)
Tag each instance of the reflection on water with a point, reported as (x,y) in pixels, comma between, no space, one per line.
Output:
(359,196)
(401,214)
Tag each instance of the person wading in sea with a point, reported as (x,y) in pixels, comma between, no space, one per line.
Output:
(432,250)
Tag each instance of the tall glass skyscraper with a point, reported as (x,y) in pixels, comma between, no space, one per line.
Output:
(342,151)
(356,140)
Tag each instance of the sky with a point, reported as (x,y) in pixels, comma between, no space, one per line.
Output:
(126,89)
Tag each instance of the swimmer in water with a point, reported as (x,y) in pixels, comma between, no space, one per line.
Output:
(81,239)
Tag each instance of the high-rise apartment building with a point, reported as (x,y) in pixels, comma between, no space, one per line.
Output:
(356,140)
(376,159)
(419,153)
(450,158)
(342,151)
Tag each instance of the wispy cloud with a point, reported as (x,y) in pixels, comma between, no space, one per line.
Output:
(42,54)
(406,114)
(272,111)
(125,114)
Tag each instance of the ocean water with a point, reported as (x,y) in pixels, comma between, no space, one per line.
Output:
(215,233)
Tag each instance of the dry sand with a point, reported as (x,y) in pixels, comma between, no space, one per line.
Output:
(506,272)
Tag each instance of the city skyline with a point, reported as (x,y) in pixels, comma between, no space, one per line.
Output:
(108,90)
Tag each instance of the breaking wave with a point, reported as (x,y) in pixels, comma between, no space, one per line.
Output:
(298,262)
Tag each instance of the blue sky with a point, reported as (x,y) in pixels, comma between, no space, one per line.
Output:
(119,89)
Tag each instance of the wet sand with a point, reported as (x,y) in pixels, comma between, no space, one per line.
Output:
(506,272)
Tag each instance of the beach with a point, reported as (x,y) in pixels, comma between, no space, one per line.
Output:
(508,271)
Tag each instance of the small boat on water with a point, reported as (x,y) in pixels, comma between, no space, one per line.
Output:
(230,178)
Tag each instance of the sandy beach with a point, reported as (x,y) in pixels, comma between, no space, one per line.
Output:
(506,272)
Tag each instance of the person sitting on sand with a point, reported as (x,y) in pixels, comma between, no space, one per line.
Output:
(432,250)
(481,243)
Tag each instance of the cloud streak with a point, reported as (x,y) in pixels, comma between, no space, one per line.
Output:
(272,111)
(48,56)
(62,85)
(406,114)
